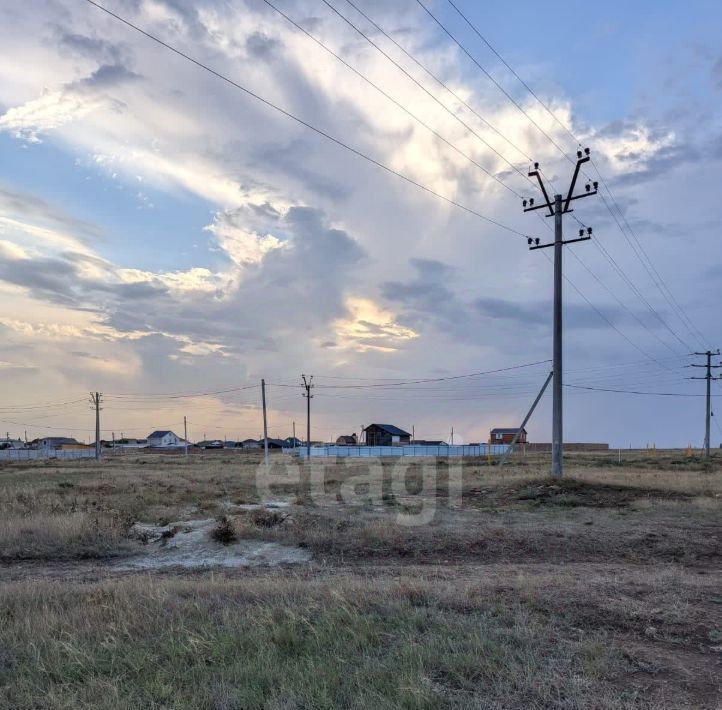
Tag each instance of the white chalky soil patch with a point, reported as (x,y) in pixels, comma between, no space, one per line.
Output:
(192,546)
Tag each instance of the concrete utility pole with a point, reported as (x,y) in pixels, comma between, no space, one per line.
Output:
(95,399)
(558,209)
(265,423)
(307,394)
(709,378)
(185,434)
(294,435)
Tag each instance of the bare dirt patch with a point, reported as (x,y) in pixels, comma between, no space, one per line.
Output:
(191,544)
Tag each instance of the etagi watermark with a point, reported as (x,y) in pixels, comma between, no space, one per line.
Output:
(415,489)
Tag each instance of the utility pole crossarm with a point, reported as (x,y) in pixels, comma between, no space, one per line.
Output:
(547,202)
(557,209)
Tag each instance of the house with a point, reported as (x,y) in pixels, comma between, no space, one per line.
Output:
(58,442)
(274,443)
(164,439)
(293,442)
(347,440)
(386,435)
(251,444)
(212,444)
(502,435)
(7,443)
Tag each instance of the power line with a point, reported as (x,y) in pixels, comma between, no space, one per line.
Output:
(632,286)
(47,405)
(490,77)
(506,64)
(651,269)
(424,89)
(306,124)
(176,395)
(460,99)
(657,394)
(621,303)
(391,98)
(422,380)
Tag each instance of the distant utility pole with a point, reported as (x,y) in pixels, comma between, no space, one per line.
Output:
(709,379)
(307,394)
(185,434)
(95,399)
(557,209)
(265,422)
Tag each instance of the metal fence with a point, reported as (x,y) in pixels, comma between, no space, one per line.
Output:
(413,450)
(39,454)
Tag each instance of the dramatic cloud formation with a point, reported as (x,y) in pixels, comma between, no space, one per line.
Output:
(163,231)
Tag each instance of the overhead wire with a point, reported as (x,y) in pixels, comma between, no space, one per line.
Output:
(423,88)
(398,104)
(339,142)
(649,266)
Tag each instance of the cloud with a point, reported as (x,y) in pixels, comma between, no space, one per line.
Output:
(311,259)
(72,101)
(21,207)
(369,327)
(93,48)
(262,46)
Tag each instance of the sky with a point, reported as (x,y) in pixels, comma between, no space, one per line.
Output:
(167,238)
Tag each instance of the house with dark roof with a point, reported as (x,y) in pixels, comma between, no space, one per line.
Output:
(505,435)
(349,440)
(58,442)
(210,444)
(164,439)
(386,435)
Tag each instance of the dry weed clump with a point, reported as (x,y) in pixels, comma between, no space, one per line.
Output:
(224,532)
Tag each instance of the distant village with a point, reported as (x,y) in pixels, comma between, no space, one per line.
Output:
(372,435)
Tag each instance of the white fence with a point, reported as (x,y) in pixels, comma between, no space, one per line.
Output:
(413,450)
(38,454)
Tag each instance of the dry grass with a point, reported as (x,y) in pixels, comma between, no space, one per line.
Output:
(401,641)
(43,536)
(598,592)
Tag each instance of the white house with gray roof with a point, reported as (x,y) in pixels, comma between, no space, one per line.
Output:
(164,439)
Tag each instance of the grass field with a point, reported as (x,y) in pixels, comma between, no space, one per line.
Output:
(421,587)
